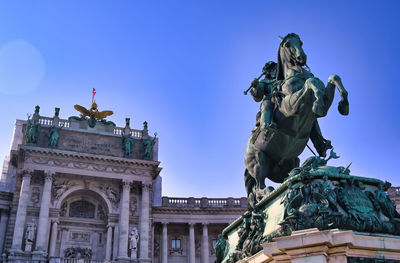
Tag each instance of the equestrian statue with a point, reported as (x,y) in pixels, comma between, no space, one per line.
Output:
(292,99)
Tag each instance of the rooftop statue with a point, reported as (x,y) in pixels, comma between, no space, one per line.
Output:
(92,115)
(292,101)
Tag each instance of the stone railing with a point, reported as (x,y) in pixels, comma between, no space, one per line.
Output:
(204,202)
(74,260)
(66,124)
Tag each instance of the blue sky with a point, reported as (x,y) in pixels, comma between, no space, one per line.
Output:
(183,65)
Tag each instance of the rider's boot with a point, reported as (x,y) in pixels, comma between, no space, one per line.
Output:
(320,143)
(266,119)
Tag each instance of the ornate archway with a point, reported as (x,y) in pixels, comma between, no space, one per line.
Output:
(83,220)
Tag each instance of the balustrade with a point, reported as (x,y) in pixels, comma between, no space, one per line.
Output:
(203,202)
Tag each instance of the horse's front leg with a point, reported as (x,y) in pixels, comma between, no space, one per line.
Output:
(343,106)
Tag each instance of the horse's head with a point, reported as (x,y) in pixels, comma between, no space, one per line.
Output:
(290,53)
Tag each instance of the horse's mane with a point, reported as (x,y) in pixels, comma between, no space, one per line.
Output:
(280,72)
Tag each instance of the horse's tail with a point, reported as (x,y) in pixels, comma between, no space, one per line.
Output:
(249,182)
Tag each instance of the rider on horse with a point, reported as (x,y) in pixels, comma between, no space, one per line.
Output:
(264,90)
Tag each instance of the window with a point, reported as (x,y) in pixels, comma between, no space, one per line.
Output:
(176,244)
(214,242)
(81,208)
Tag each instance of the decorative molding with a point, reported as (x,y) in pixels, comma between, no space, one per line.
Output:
(89,165)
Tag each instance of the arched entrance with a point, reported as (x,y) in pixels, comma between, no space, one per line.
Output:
(82,226)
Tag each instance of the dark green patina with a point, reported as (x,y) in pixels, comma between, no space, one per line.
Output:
(313,195)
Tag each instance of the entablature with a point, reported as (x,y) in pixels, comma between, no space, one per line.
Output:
(85,164)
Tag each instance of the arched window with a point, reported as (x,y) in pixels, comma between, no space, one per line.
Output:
(82,208)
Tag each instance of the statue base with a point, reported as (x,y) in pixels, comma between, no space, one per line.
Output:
(322,198)
(329,246)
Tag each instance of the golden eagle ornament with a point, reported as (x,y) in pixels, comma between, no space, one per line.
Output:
(93,114)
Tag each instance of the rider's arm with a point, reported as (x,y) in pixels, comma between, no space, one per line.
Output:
(257,91)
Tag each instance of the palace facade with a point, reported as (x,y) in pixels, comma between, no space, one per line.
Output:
(73,191)
(81,191)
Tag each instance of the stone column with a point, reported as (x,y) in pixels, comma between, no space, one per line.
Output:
(3,227)
(116,241)
(204,246)
(64,237)
(53,238)
(192,251)
(44,214)
(21,212)
(124,221)
(144,223)
(109,242)
(95,245)
(164,244)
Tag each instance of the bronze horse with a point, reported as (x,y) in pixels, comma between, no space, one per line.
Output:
(301,99)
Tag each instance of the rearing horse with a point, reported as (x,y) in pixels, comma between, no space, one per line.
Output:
(273,153)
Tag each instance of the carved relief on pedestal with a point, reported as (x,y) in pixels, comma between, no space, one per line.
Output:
(111,193)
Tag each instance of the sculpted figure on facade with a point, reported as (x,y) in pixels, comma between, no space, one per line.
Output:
(133,242)
(111,193)
(59,188)
(30,236)
(128,144)
(54,135)
(32,131)
(148,144)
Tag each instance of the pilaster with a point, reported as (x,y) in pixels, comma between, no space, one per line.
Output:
(21,212)
(41,246)
(144,223)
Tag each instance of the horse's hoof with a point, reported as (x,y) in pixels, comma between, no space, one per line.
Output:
(343,107)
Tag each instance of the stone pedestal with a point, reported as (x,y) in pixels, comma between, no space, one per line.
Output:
(328,246)
(321,197)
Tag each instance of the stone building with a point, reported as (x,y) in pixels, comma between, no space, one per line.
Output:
(77,190)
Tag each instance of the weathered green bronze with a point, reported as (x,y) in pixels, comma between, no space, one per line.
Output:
(148,144)
(128,143)
(33,128)
(54,136)
(313,195)
(292,100)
